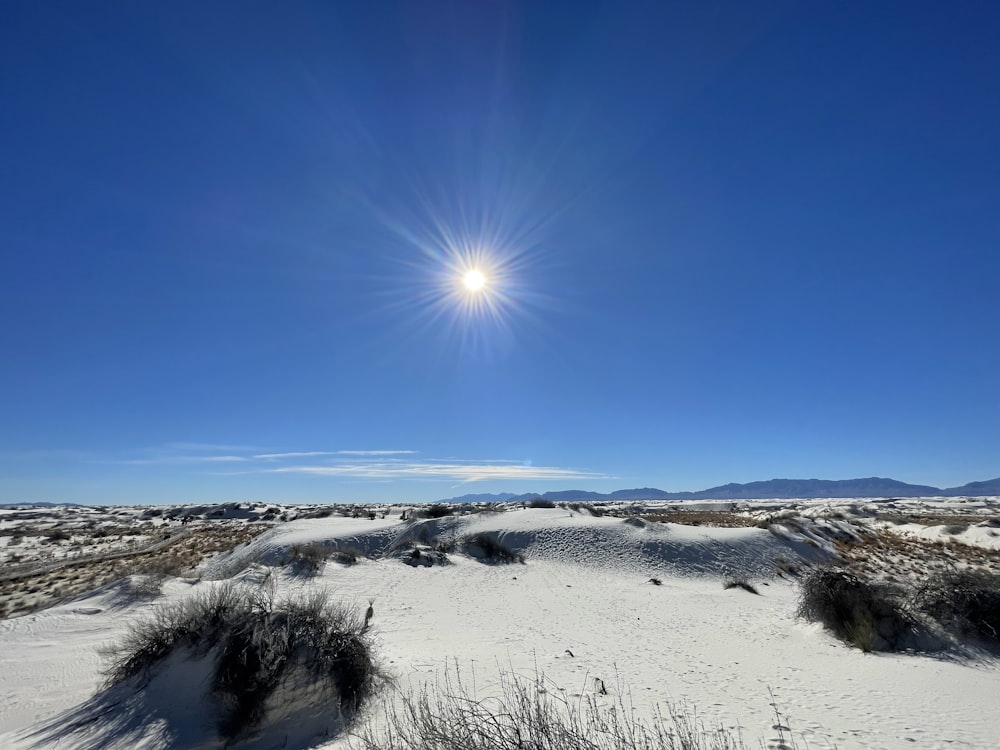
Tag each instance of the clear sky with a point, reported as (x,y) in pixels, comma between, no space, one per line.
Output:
(719,242)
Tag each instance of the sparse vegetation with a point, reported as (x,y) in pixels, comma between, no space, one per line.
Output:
(254,644)
(50,582)
(531,715)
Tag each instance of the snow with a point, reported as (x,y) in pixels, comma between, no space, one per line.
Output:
(581,607)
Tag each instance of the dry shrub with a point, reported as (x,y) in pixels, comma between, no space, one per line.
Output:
(862,613)
(964,602)
(489,549)
(540,502)
(348,555)
(308,559)
(438,510)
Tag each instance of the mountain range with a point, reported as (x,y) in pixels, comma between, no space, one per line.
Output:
(773,488)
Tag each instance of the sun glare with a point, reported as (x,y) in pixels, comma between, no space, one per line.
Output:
(474,280)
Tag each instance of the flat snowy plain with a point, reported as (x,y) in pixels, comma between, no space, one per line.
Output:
(584,609)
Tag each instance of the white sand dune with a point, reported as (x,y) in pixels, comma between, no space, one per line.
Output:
(581,607)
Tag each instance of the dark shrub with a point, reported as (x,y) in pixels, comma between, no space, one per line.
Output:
(254,644)
(967,602)
(489,549)
(741,583)
(308,559)
(348,555)
(541,502)
(321,513)
(438,510)
(858,612)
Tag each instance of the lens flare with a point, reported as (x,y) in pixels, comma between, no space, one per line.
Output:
(471,268)
(474,280)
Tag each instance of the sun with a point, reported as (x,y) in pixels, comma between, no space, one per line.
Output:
(474,281)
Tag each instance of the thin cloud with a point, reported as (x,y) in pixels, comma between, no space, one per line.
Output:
(293,454)
(463,472)
(375,453)
(312,454)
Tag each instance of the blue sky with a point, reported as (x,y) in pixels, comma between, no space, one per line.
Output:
(721,242)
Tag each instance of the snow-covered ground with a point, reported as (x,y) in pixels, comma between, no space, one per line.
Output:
(583,609)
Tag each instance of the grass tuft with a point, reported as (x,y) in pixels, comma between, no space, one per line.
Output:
(254,643)
(741,583)
(532,715)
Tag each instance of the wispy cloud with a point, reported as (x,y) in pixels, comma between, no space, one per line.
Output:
(312,454)
(374,453)
(361,464)
(464,472)
(292,454)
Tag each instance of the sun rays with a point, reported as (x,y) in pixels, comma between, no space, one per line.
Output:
(471,267)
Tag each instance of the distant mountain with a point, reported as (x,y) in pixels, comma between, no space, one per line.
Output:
(973,489)
(40,504)
(572,495)
(817,488)
(646,493)
(781,489)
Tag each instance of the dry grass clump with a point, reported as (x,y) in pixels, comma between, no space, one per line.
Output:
(859,612)
(347,555)
(529,715)
(254,644)
(741,583)
(487,548)
(308,559)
